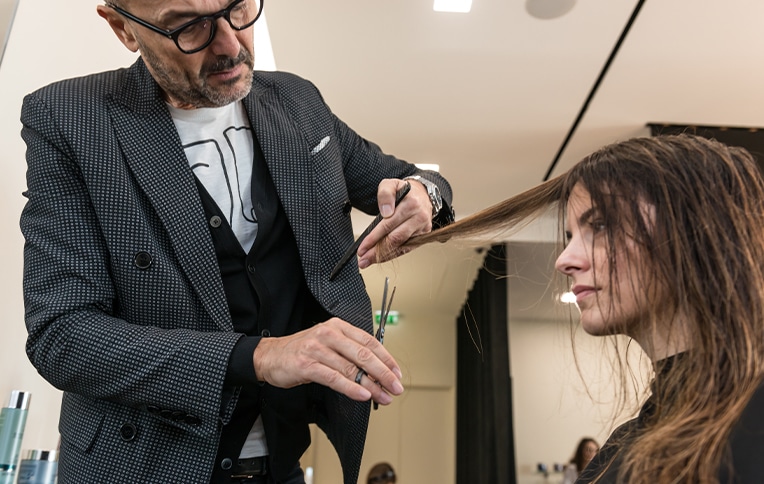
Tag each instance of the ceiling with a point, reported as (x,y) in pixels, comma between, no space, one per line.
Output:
(492,95)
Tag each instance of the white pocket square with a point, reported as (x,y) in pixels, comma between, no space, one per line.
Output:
(320,146)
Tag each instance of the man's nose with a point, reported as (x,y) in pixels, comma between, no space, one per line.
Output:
(226,42)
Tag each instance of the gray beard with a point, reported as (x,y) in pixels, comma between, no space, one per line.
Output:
(201,96)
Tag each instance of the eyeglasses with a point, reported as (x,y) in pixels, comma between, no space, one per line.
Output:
(198,33)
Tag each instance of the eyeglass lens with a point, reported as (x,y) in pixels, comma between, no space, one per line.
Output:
(199,32)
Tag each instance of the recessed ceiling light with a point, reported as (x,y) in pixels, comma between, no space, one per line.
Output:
(459,6)
(549,9)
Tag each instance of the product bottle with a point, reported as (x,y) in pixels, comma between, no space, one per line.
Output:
(12,421)
(38,467)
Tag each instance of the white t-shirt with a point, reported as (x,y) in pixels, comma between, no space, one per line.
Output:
(220,149)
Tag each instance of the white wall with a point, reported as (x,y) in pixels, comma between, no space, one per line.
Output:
(556,401)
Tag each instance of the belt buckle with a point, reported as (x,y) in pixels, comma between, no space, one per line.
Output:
(250,468)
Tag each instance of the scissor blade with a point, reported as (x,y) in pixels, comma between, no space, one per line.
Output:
(383,321)
(382,311)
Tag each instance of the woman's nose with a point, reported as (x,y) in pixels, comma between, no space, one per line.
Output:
(571,259)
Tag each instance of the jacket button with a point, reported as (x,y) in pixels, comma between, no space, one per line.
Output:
(215,222)
(153,409)
(251,268)
(265,333)
(166,414)
(128,432)
(178,416)
(226,464)
(142,260)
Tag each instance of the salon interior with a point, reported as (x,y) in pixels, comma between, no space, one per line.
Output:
(498,96)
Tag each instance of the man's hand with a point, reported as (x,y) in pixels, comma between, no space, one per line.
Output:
(412,217)
(330,353)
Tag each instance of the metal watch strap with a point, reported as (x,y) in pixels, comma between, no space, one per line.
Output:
(432,190)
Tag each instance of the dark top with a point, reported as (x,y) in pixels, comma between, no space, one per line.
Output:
(746,445)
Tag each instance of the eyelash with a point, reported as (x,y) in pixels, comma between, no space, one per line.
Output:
(597,225)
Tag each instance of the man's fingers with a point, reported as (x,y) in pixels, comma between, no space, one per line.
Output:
(396,235)
(378,394)
(331,354)
(413,216)
(386,195)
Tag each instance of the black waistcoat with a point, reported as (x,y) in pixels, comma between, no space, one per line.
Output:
(267,296)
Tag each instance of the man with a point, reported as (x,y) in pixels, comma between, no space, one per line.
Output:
(183,218)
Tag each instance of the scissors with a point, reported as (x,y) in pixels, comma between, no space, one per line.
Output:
(380,335)
(353,249)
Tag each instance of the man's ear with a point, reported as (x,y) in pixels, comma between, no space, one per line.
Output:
(120,26)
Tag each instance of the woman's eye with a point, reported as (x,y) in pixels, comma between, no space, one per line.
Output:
(598,225)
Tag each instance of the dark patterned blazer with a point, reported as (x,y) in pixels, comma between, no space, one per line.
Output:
(124,303)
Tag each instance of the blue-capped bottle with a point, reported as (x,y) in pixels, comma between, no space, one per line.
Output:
(13,418)
(38,467)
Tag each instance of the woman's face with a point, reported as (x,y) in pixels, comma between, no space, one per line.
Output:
(607,306)
(590,449)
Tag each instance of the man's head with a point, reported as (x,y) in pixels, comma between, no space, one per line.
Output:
(200,52)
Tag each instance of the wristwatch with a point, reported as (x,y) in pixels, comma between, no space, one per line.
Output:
(432,190)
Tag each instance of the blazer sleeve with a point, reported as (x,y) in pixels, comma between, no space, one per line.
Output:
(365,158)
(86,334)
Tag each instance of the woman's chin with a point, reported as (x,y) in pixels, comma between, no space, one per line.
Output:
(594,325)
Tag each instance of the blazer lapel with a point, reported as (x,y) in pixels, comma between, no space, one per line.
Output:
(287,155)
(155,156)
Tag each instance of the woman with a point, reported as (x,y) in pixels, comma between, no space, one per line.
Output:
(665,244)
(585,451)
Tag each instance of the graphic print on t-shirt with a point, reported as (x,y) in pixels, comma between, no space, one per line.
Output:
(219,146)
(227,177)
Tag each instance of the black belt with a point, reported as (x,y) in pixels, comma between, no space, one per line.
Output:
(249,468)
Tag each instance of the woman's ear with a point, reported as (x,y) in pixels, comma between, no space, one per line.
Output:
(120,27)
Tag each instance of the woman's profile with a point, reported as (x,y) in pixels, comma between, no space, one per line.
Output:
(664,243)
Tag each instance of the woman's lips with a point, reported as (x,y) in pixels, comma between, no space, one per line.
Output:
(581,292)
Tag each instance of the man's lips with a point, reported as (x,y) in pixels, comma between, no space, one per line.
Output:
(227,73)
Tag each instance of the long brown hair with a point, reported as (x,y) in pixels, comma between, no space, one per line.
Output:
(705,248)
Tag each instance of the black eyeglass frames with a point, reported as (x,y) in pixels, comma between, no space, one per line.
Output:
(197,34)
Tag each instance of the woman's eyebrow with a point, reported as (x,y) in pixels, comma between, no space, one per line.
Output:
(586,215)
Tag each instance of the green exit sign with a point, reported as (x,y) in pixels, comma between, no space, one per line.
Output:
(392,318)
